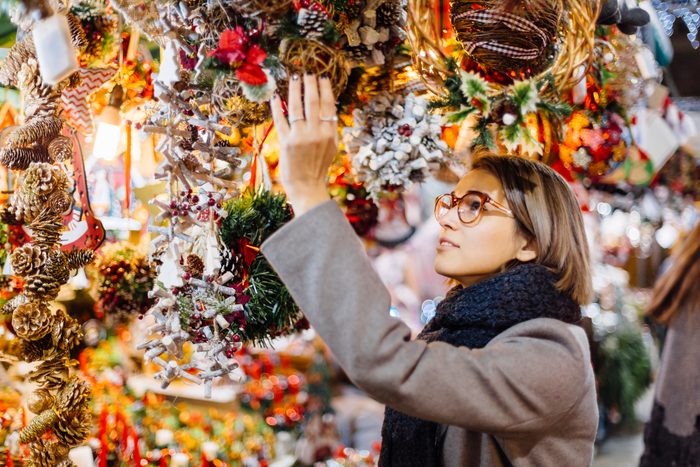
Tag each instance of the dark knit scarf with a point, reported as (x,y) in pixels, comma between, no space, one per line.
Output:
(471,317)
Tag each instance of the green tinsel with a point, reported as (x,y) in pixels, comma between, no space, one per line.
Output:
(252,218)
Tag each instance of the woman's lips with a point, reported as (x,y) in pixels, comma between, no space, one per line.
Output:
(444,243)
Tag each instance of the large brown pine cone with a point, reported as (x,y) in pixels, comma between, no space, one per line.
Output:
(32,321)
(42,349)
(73,397)
(75,429)
(66,333)
(46,229)
(79,258)
(43,179)
(57,266)
(51,374)
(28,259)
(42,287)
(46,453)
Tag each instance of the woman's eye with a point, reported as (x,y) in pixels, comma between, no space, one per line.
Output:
(475,205)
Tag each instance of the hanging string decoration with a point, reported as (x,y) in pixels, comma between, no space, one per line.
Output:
(30,142)
(394,141)
(46,335)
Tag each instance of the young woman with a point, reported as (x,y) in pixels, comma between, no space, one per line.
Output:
(672,436)
(501,375)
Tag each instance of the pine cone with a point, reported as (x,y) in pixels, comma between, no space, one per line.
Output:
(19,54)
(46,453)
(195,265)
(390,13)
(33,320)
(44,179)
(42,287)
(79,258)
(74,397)
(312,23)
(67,333)
(51,374)
(10,305)
(21,158)
(75,429)
(28,259)
(61,149)
(57,266)
(38,131)
(42,349)
(46,229)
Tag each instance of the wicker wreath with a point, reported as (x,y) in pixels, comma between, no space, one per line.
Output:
(559,41)
(227,99)
(269,8)
(302,56)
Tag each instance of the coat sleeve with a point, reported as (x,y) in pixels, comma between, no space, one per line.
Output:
(520,382)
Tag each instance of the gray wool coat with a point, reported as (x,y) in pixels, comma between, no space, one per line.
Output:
(525,399)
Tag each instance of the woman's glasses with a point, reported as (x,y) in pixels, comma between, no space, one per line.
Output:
(470,207)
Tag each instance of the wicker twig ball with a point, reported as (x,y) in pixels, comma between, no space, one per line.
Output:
(303,56)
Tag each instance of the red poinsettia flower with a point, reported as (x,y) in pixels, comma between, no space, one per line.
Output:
(235,50)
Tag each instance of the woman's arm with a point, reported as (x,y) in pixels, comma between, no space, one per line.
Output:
(523,380)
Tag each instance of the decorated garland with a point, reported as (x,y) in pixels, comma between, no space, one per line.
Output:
(511,114)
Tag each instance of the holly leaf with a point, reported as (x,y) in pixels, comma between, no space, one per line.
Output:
(460,115)
(558,109)
(483,135)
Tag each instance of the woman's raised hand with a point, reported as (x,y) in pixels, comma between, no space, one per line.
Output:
(308,140)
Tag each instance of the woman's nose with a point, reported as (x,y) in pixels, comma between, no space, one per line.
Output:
(450,220)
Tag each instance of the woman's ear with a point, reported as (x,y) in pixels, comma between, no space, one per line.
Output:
(527,252)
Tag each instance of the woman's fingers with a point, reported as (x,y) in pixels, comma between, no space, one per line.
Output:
(295,110)
(328,113)
(278,116)
(311,99)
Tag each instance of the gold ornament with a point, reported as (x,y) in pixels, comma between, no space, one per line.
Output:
(32,321)
(28,259)
(40,400)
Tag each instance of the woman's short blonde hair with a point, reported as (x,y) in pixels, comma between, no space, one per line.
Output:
(547,213)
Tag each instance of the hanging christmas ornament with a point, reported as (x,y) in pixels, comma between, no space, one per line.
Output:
(394,141)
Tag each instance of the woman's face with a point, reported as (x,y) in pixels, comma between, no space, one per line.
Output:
(471,253)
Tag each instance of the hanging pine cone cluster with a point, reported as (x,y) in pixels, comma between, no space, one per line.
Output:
(32,141)
(42,187)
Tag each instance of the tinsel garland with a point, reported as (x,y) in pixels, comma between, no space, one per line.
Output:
(269,308)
